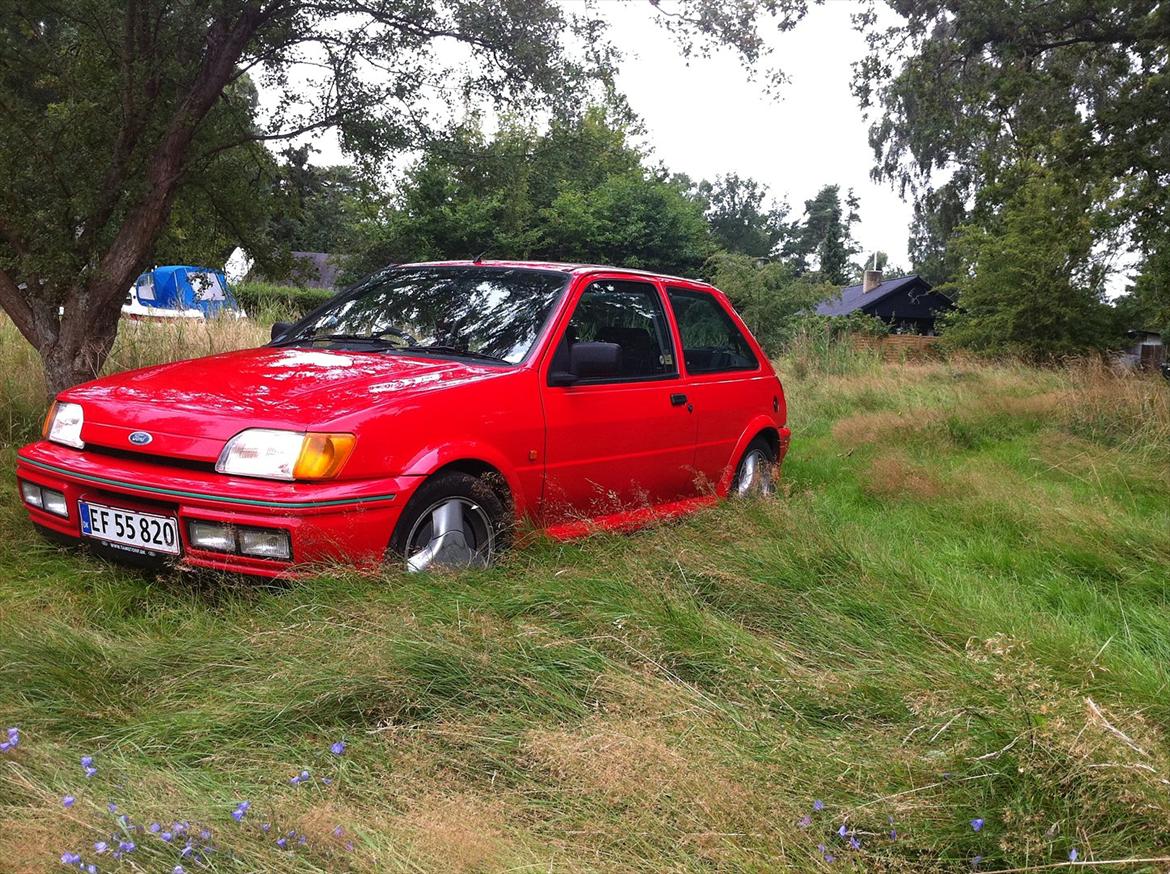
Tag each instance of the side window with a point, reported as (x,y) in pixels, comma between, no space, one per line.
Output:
(711,341)
(629,314)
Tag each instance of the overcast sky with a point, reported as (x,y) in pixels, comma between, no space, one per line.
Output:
(706,118)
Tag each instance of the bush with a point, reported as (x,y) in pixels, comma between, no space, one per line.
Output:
(268,302)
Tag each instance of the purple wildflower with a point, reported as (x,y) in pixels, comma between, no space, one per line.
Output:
(264,828)
(338,748)
(328,781)
(976,862)
(893,834)
(68,801)
(70,858)
(127,846)
(5,746)
(842,831)
(89,771)
(204,834)
(91,868)
(281,842)
(154,828)
(111,807)
(1073,854)
(818,805)
(178,869)
(338,831)
(854,844)
(805,821)
(166,836)
(349,845)
(100,847)
(87,761)
(977,824)
(241,810)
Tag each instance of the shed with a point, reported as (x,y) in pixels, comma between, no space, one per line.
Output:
(908,304)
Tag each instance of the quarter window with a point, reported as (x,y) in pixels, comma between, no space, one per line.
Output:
(629,314)
(710,339)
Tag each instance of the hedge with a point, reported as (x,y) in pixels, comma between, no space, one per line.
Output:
(267,300)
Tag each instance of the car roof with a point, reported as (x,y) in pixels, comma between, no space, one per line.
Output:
(562,267)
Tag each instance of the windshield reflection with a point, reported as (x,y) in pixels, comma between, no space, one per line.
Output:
(490,312)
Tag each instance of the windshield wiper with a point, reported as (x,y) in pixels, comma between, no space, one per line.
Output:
(455,350)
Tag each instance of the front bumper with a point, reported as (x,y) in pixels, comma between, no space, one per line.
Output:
(339,521)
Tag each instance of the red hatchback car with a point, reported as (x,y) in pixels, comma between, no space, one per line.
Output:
(419,414)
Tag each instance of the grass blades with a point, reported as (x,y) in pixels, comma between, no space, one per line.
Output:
(957,611)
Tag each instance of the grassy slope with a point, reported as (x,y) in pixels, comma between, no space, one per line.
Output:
(963,558)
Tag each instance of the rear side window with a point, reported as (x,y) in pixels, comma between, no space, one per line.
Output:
(629,314)
(711,341)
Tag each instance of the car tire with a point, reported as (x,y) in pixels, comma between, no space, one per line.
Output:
(453,521)
(755,473)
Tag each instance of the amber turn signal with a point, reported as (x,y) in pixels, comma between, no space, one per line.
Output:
(323,455)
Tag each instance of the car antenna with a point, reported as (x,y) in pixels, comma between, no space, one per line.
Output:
(478,259)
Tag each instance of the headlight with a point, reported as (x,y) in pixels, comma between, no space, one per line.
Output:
(287,455)
(63,424)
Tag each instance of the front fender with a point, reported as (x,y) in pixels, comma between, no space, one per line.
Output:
(433,458)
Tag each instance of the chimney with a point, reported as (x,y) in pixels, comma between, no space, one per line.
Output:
(870,280)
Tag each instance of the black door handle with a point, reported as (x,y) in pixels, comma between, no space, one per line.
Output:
(678,400)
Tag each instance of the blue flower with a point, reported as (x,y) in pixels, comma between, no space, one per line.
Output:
(91,868)
(5,746)
(111,807)
(264,828)
(241,810)
(100,847)
(338,831)
(281,842)
(68,801)
(893,834)
(89,771)
(154,828)
(1072,854)
(70,858)
(166,836)
(338,748)
(127,846)
(977,824)
(805,821)
(976,861)
(86,761)
(818,805)
(842,831)
(178,869)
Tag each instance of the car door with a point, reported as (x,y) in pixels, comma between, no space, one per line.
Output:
(725,381)
(624,441)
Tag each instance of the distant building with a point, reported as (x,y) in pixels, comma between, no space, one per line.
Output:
(908,304)
(1146,351)
(309,270)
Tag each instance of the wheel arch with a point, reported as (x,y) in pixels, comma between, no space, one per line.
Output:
(476,459)
(761,426)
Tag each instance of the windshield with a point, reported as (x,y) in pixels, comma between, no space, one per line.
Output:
(480,312)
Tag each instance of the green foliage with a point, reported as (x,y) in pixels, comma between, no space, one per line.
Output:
(1029,285)
(739,219)
(319,205)
(825,237)
(578,193)
(269,302)
(770,297)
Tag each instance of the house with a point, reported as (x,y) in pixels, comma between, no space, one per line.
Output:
(309,270)
(907,304)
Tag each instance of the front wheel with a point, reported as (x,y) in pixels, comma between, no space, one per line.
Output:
(454,520)
(754,475)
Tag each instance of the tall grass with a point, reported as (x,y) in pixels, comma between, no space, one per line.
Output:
(957,610)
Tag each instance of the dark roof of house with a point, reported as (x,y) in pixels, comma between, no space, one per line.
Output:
(852,299)
(315,269)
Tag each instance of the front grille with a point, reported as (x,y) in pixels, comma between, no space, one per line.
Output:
(152,458)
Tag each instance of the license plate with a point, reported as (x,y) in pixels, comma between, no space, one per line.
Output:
(139,531)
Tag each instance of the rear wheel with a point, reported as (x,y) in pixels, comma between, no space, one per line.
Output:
(754,473)
(454,520)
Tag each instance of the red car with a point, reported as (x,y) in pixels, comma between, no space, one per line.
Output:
(419,414)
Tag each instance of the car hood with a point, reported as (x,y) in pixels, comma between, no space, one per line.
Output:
(189,408)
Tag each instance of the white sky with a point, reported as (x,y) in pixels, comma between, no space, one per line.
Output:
(706,118)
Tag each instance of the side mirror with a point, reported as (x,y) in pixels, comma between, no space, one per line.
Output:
(595,360)
(279,329)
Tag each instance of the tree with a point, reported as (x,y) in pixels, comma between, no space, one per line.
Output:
(739,220)
(772,299)
(579,192)
(825,237)
(317,205)
(109,111)
(977,89)
(1028,284)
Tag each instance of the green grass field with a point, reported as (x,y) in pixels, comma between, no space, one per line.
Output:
(958,609)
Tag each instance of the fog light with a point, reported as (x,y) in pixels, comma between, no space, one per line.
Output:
(31,494)
(265,543)
(54,502)
(211,535)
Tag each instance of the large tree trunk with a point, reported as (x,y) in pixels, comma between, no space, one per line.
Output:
(82,343)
